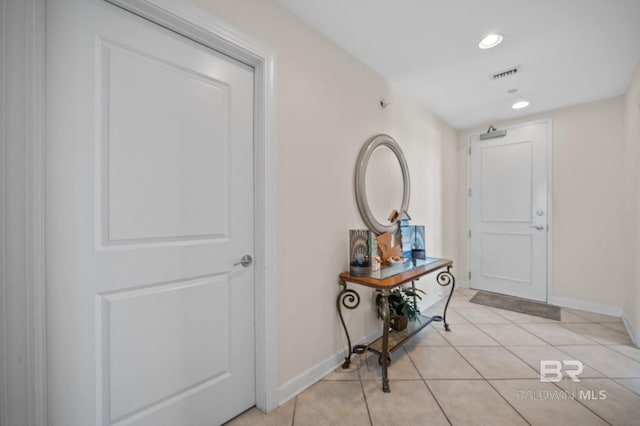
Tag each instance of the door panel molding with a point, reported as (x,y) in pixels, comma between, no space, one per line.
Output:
(489,243)
(196,25)
(120,323)
(490,154)
(122,213)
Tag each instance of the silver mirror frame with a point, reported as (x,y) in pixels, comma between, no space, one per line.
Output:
(361,174)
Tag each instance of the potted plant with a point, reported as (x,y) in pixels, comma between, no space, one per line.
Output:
(402,306)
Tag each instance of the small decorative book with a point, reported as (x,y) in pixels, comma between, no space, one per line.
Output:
(417,242)
(405,233)
(363,247)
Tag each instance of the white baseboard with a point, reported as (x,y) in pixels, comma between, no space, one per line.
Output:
(430,300)
(635,335)
(597,308)
(463,284)
(314,374)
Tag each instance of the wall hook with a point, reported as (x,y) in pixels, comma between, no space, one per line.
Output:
(382,102)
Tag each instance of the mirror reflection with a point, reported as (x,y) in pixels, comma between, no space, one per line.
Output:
(383,182)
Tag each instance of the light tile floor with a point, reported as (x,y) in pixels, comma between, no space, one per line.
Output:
(485,371)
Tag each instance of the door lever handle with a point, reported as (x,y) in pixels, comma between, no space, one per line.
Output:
(245,261)
(538,227)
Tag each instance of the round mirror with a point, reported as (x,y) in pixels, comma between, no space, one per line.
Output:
(382,182)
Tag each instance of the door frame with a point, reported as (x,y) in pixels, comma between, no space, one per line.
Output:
(549,123)
(197,25)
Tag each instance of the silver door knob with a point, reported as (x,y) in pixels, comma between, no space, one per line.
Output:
(245,261)
(538,227)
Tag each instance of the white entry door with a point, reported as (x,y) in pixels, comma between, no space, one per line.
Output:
(508,212)
(149,205)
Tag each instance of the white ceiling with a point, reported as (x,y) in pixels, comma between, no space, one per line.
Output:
(571,51)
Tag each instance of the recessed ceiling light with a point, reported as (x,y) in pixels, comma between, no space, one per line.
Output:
(492,40)
(520,105)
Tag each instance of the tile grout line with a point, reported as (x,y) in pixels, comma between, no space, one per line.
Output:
(364,394)
(498,310)
(517,357)
(510,349)
(553,346)
(605,324)
(500,345)
(591,338)
(487,380)
(555,384)
(491,385)
(552,321)
(518,325)
(587,321)
(433,395)
(615,378)
(573,311)
(481,330)
(548,342)
(295,408)
(522,329)
(589,409)
(631,390)
(597,371)
(484,378)
(621,353)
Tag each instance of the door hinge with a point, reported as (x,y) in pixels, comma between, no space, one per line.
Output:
(469,233)
(469,192)
(469,149)
(469,275)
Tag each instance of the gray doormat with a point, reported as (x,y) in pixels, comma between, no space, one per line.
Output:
(516,304)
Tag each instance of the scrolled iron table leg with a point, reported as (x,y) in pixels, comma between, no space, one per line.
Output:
(384,356)
(444,279)
(350,299)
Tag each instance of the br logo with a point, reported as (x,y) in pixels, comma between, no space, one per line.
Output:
(551,370)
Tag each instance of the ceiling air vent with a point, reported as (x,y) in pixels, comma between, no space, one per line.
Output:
(509,72)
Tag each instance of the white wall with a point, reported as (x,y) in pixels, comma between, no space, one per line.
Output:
(589,235)
(632,207)
(327,109)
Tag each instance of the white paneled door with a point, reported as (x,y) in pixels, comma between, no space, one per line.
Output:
(508,214)
(149,205)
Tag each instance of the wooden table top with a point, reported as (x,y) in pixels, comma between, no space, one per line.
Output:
(398,279)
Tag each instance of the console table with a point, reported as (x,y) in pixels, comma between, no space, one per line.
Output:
(383,281)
